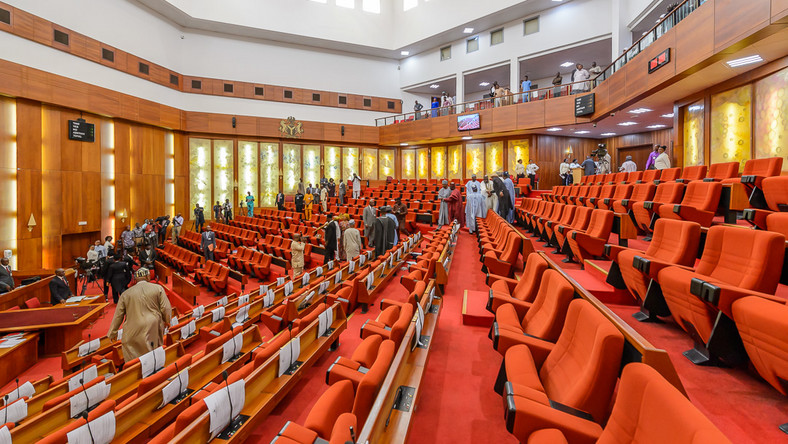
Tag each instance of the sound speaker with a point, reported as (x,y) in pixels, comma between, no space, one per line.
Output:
(343,130)
(233,122)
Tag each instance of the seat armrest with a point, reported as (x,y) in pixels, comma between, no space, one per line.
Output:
(756,217)
(648,205)
(511,283)
(612,251)
(606,201)
(525,416)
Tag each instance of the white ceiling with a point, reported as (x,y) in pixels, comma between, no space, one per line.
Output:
(546,65)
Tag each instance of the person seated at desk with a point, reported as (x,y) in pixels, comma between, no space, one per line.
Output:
(147,256)
(59,290)
(6,278)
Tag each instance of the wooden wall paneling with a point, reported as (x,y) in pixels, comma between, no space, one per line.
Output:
(779,11)
(12,79)
(389,134)
(638,78)
(531,114)
(616,87)
(548,151)
(92,50)
(504,118)
(692,38)
(559,111)
(90,210)
(71,201)
(122,202)
(732,21)
(36,85)
(104,101)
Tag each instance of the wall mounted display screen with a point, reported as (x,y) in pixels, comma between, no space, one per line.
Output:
(468,122)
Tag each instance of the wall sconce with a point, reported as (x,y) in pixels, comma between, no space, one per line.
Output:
(570,151)
(281,174)
(122,215)
(31,223)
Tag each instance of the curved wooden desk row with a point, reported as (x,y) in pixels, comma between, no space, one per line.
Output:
(39,289)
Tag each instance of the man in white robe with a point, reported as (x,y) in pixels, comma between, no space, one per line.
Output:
(356,186)
(488,190)
(443,194)
(475,203)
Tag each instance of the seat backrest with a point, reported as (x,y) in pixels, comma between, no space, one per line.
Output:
(770,166)
(775,190)
(725,170)
(545,318)
(669,192)
(581,217)
(622,192)
(703,196)
(696,172)
(675,241)
(607,191)
(367,351)
(567,215)
(650,175)
(368,387)
(634,176)
(582,369)
(648,409)
(669,174)
(527,288)
(750,259)
(600,224)
(643,192)
(399,327)
(33,303)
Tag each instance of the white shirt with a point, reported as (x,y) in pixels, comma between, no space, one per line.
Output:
(93,255)
(532,168)
(356,184)
(563,169)
(628,167)
(662,162)
(580,75)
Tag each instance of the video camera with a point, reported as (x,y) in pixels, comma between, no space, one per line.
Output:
(600,151)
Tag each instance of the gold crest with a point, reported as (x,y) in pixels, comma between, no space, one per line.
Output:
(291,128)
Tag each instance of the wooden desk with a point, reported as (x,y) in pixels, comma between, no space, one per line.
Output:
(732,200)
(62,325)
(40,290)
(184,288)
(624,228)
(162,271)
(577,175)
(17,359)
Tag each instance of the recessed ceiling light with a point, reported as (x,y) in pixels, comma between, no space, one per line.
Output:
(435,86)
(745,61)
(484,84)
(468,30)
(558,0)
(582,132)
(695,107)
(467,137)
(403,144)
(554,129)
(659,125)
(640,110)
(404,53)
(627,123)
(668,115)
(607,134)
(567,64)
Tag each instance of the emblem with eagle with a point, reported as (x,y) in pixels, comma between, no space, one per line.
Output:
(291,128)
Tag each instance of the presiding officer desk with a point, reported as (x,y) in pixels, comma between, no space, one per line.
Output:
(61,325)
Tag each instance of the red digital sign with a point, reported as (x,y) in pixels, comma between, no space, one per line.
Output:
(657,62)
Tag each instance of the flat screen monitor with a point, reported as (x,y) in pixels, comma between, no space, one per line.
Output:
(468,122)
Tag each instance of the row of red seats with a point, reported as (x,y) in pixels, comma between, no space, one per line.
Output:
(280,247)
(235,235)
(279,215)
(213,275)
(308,234)
(192,241)
(180,258)
(259,224)
(252,262)
(500,244)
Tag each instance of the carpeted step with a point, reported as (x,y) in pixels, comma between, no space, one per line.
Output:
(474,310)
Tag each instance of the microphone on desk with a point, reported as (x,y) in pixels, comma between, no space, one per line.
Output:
(352,435)
(87,424)
(5,403)
(87,398)
(229,398)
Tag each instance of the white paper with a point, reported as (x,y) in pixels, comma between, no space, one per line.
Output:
(177,385)
(120,334)
(242,314)
(351,266)
(268,299)
(370,280)
(10,342)
(399,254)
(446,263)
(369,255)
(152,361)
(89,347)
(99,431)
(305,280)
(220,402)
(232,347)
(24,390)
(243,299)
(318,271)
(280,281)
(174,321)
(361,260)
(308,298)
(188,329)
(217,314)
(88,398)
(323,287)
(74,299)
(222,301)
(263,290)
(288,288)
(330,265)
(338,277)
(86,376)
(288,354)
(198,311)
(5,435)
(325,319)
(15,412)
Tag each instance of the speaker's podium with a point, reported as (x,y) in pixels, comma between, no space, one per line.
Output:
(577,175)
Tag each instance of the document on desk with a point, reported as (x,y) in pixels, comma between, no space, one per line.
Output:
(224,405)
(361,260)
(351,265)
(86,376)
(152,361)
(370,280)
(242,314)
(88,398)
(243,299)
(188,329)
(288,355)
(24,390)
(120,334)
(280,281)
(288,288)
(217,314)
(99,431)
(5,435)
(89,347)
(268,299)
(175,387)
(318,271)
(330,265)
(325,319)
(222,301)
(198,311)
(305,280)
(15,411)
(338,277)
(323,287)
(74,299)
(232,348)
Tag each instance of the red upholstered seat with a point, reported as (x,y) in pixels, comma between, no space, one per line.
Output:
(700,201)
(520,293)
(667,193)
(588,243)
(762,323)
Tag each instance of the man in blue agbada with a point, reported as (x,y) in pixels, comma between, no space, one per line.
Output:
(475,203)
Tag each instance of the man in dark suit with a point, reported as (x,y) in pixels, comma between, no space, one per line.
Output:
(208,243)
(59,290)
(6,279)
(118,277)
(280,201)
(147,256)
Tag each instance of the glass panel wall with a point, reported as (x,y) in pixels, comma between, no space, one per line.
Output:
(408,164)
(291,167)
(223,171)
(350,162)
(311,164)
(494,162)
(518,149)
(385,163)
(200,177)
(771,116)
(269,173)
(247,171)
(369,163)
(455,162)
(693,134)
(474,159)
(731,125)
(423,163)
(333,168)
(438,162)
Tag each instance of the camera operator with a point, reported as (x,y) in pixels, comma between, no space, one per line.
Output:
(92,255)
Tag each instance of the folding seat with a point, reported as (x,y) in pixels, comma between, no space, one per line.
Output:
(543,319)
(520,293)
(721,171)
(549,226)
(634,177)
(234,259)
(755,170)
(354,368)
(568,198)
(590,243)
(246,264)
(647,409)
(775,191)
(201,275)
(736,262)
(669,175)
(700,201)
(579,371)
(262,267)
(674,243)
(593,192)
(667,193)
(605,192)
(619,177)
(650,176)
(502,262)
(346,296)
(391,323)
(690,173)
(641,192)
(557,214)
(580,221)
(622,192)
(762,323)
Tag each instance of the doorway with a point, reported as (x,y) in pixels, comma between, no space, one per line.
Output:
(639,155)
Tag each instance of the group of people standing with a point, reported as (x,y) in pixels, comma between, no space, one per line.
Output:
(307,196)
(493,193)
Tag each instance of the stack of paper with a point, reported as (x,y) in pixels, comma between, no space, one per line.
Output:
(152,361)
(324,321)
(232,348)
(224,405)
(88,398)
(198,311)
(15,412)
(86,376)
(243,299)
(288,288)
(24,390)
(175,388)
(188,329)
(217,314)
(99,431)
(89,347)
(222,301)
(268,299)
(288,355)
(305,280)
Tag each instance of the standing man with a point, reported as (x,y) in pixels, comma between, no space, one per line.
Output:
(165,222)
(208,243)
(298,200)
(525,88)
(301,186)
(332,239)
(531,170)
(297,247)
(6,277)
(324,198)
(663,161)
(502,193)
(589,167)
(443,194)
(147,256)
(217,212)
(309,200)
(579,75)
(342,191)
(401,211)
(652,157)
(387,213)
(352,240)
(454,202)
(228,211)
(595,70)
(488,190)
(139,234)
(199,217)
(417,109)
(59,290)
(332,188)
(126,239)
(280,201)
(147,312)
(628,166)
(100,249)
(507,182)
(519,169)
(249,204)
(356,187)
(369,216)
(177,223)
(564,172)
(475,205)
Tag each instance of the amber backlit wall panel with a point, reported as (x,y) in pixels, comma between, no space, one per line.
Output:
(408,164)
(438,162)
(730,125)
(474,159)
(291,167)
(8,177)
(385,163)
(494,157)
(423,163)
(223,172)
(350,162)
(200,177)
(771,116)
(518,149)
(333,167)
(454,161)
(311,164)
(369,163)
(269,174)
(247,171)
(693,134)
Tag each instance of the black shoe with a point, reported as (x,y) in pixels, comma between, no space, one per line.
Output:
(566,260)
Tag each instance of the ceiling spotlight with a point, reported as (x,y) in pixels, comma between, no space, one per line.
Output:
(554,129)
(627,123)
(403,144)
(435,86)
(468,31)
(467,137)
(404,53)
(607,134)
(639,110)
(667,116)
(659,125)
(484,84)
(745,61)
(567,64)
(582,132)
